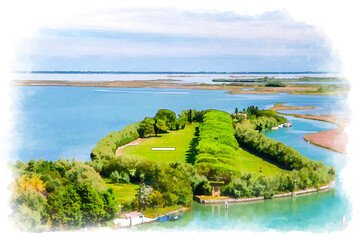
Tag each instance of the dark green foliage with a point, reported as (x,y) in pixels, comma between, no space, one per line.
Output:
(252,110)
(261,123)
(147,126)
(160,126)
(167,116)
(274,84)
(64,208)
(192,115)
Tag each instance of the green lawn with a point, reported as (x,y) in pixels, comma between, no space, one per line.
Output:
(124,192)
(251,163)
(180,140)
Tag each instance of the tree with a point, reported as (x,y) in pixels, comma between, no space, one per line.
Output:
(148,126)
(92,205)
(236,111)
(160,125)
(64,208)
(166,115)
(84,174)
(189,116)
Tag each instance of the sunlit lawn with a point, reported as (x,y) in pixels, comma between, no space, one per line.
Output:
(251,163)
(174,139)
(181,141)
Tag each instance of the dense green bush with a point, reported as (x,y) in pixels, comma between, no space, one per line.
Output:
(60,195)
(274,84)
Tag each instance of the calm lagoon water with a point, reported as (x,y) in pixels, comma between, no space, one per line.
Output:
(67,122)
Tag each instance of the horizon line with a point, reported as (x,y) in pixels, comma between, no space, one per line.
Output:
(178,72)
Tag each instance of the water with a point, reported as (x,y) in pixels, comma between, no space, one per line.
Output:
(69,121)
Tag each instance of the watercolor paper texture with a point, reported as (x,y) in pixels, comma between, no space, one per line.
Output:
(198,118)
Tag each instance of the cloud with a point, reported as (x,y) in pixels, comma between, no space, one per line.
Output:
(169,21)
(174,33)
(192,47)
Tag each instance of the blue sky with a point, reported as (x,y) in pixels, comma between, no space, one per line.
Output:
(175,40)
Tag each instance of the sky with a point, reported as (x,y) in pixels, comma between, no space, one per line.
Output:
(172,39)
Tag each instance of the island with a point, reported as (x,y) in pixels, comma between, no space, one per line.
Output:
(152,170)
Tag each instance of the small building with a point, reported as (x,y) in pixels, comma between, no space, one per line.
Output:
(215,191)
(134,215)
(215,183)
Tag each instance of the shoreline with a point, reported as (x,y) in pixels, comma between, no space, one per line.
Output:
(243,88)
(324,188)
(332,139)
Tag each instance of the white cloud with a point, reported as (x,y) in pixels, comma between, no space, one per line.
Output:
(171,21)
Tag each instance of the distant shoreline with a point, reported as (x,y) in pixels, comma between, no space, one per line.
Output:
(249,88)
(168,72)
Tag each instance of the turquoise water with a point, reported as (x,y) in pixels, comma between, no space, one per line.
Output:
(69,121)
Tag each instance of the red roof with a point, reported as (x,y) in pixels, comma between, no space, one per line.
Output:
(132,214)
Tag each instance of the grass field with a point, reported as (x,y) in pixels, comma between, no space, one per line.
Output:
(251,163)
(124,192)
(180,140)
